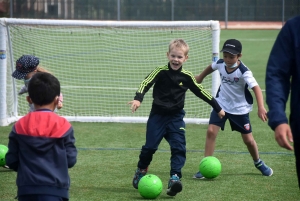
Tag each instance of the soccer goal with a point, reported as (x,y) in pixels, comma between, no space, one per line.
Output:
(100,64)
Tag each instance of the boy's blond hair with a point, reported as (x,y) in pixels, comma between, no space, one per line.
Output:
(179,43)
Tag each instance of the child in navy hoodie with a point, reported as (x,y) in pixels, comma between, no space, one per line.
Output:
(42,145)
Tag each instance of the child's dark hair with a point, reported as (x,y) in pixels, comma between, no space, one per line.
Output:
(43,88)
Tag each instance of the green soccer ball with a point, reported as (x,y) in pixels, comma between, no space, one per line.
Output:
(150,186)
(3,151)
(210,167)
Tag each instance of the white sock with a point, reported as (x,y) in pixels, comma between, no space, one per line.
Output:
(256,162)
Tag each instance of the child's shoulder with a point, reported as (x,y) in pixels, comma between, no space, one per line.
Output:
(187,72)
(160,68)
(220,61)
(243,68)
(218,64)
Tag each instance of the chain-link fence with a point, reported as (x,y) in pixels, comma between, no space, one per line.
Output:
(165,10)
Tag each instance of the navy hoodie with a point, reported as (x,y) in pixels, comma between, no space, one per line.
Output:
(41,149)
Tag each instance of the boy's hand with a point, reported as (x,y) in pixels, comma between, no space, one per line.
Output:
(59,105)
(262,114)
(221,114)
(135,104)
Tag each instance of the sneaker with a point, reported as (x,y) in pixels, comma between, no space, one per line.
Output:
(198,175)
(265,170)
(5,166)
(139,173)
(174,185)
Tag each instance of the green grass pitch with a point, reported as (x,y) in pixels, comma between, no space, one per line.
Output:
(108,153)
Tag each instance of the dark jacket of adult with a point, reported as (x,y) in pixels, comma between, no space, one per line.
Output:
(283,77)
(41,149)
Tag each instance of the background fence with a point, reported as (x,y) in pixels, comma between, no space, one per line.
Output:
(165,10)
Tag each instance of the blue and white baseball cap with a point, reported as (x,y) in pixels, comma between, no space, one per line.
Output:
(24,65)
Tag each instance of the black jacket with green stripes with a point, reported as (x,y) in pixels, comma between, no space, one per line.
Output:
(170,88)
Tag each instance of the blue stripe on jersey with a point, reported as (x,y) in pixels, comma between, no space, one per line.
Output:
(248,95)
(243,68)
(220,61)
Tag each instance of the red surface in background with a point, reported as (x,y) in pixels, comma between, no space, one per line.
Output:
(250,25)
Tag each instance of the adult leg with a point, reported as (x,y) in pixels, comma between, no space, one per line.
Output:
(296,138)
(297,157)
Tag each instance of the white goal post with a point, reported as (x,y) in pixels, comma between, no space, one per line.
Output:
(100,64)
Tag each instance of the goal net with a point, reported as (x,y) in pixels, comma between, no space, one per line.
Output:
(100,64)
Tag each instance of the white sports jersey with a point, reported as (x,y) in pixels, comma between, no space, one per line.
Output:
(233,95)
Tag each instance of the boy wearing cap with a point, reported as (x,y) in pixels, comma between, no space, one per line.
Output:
(236,100)
(41,145)
(26,67)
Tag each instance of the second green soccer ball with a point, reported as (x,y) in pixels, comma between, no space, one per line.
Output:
(210,167)
(3,151)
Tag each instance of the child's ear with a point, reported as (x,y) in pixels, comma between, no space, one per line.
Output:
(55,103)
(29,100)
(239,55)
(56,100)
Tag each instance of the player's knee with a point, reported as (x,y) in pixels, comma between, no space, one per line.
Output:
(250,142)
(211,134)
(178,152)
(146,151)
